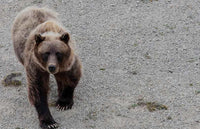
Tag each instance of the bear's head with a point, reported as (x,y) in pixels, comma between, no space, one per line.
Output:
(53,52)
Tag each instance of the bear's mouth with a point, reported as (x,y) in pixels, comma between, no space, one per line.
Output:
(52,72)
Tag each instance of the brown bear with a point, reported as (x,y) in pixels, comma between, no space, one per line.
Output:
(44,47)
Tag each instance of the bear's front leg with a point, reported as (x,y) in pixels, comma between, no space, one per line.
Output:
(67,81)
(38,92)
(65,100)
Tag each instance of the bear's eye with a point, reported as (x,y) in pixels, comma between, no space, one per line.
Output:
(59,56)
(45,56)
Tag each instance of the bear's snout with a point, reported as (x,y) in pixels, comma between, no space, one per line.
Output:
(52,68)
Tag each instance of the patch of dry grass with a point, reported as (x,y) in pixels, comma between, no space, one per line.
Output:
(8,80)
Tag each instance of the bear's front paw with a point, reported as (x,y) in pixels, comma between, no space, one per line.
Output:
(64,104)
(48,124)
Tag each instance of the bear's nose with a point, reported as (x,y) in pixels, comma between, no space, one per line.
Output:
(52,68)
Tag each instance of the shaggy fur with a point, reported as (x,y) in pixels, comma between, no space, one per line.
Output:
(43,46)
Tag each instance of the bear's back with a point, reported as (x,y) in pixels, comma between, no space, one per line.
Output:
(25,22)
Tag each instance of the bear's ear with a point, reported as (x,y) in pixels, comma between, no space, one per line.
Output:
(65,37)
(39,39)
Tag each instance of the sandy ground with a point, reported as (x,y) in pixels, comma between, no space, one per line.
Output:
(130,50)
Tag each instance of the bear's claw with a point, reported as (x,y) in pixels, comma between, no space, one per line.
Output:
(54,126)
(64,105)
(48,125)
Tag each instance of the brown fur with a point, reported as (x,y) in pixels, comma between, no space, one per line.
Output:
(39,43)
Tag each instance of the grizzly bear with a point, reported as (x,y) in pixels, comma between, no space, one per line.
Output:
(44,47)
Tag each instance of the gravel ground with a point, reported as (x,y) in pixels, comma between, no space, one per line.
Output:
(130,50)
